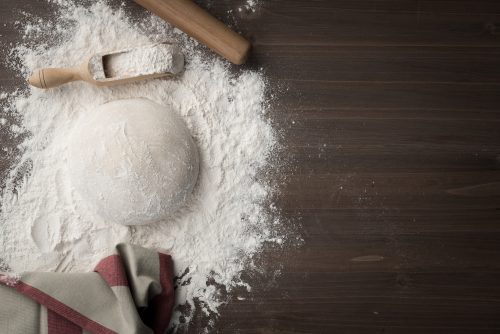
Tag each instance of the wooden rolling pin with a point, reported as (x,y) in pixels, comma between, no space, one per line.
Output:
(199,24)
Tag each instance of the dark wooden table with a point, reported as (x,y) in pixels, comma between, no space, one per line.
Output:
(392,119)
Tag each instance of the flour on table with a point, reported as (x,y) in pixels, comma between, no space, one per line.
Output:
(249,6)
(226,222)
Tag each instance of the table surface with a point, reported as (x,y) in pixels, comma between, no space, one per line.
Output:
(391,118)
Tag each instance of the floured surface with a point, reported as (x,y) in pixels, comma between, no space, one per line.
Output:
(229,218)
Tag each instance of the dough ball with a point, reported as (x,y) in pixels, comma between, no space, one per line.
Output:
(133,161)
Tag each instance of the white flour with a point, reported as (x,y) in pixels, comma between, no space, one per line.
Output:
(249,6)
(229,218)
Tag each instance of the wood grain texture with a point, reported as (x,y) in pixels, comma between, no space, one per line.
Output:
(391,120)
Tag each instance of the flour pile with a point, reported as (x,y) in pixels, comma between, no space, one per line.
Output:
(212,239)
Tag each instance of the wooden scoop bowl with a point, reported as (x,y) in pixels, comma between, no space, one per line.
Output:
(93,70)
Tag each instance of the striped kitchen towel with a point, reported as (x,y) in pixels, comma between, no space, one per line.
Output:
(129,292)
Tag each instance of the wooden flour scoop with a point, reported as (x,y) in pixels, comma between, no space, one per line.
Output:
(118,67)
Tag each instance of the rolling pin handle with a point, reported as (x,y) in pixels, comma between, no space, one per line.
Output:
(199,24)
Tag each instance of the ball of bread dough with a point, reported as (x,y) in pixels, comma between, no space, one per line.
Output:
(132,161)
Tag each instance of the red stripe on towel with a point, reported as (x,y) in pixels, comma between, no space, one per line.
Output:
(163,303)
(62,309)
(59,325)
(112,271)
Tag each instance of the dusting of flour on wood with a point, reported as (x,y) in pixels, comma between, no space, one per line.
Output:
(43,225)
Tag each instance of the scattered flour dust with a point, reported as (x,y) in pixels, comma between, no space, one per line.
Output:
(250,5)
(228,220)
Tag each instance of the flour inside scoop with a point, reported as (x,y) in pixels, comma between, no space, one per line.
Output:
(155,59)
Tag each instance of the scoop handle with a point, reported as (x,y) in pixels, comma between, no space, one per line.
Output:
(53,77)
(199,24)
